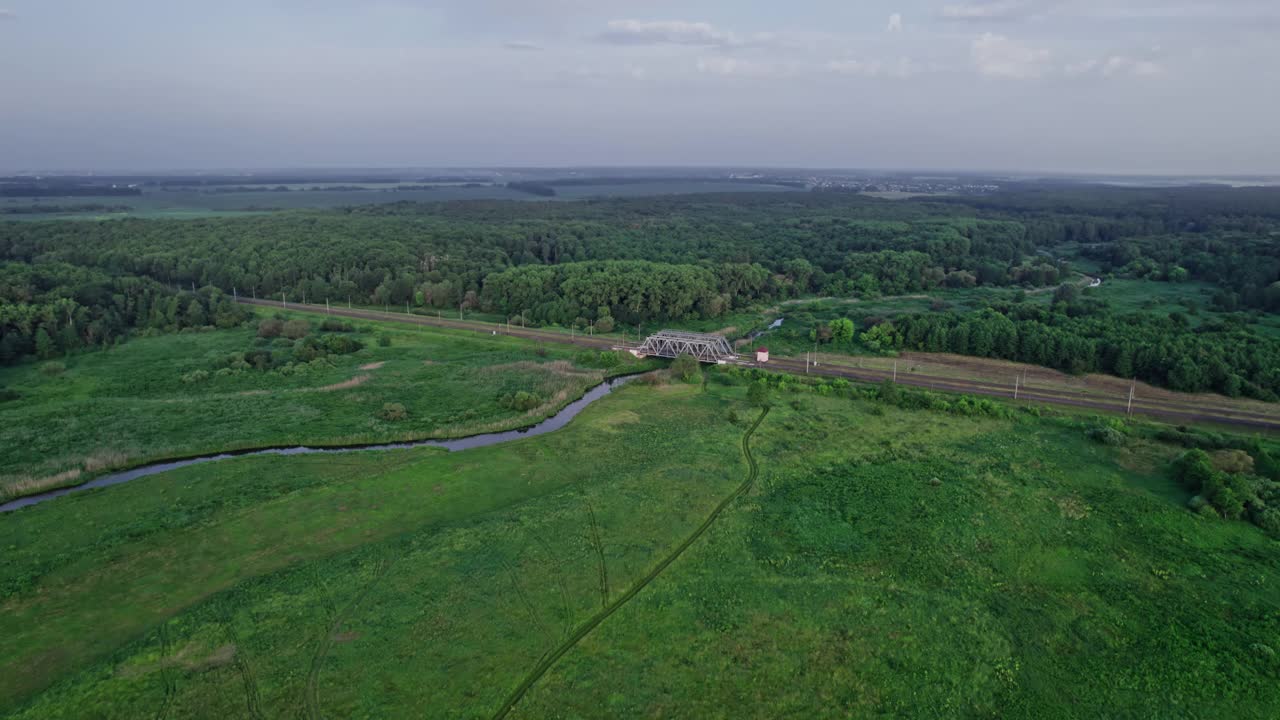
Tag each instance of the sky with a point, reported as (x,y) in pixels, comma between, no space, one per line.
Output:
(1118,86)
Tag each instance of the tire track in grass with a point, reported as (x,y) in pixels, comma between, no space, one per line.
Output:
(169,683)
(550,659)
(248,680)
(312,695)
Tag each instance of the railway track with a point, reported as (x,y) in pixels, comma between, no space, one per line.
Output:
(1160,409)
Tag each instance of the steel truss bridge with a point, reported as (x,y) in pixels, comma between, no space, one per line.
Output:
(673,344)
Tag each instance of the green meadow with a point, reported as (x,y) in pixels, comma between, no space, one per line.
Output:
(167,396)
(884,562)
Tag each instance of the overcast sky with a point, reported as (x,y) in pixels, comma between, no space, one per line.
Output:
(1158,86)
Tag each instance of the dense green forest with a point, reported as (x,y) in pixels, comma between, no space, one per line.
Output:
(698,257)
(52,309)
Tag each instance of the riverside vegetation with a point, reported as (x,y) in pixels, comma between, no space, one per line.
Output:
(330,383)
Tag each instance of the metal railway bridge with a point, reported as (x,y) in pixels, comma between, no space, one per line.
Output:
(673,344)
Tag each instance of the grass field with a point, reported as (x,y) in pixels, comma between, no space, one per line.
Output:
(885,563)
(130,405)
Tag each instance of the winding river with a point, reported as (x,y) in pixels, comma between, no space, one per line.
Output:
(555,422)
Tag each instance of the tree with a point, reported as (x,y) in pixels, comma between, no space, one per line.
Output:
(604,324)
(758,394)
(842,330)
(195,316)
(44,345)
(1194,470)
(1066,294)
(687,368)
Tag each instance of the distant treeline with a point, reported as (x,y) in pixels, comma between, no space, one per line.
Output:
(589,181)
(533,188)
(702,256)
(66,190)
(53,209)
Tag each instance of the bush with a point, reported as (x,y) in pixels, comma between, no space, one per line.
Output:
(1228,503)
(296,329)
(1232,461)
(335,325)
(53,369)
(393,412)
(384,340)
(521,401)
(758,394)
(687,368)
(195,376)
(1106,435)
(6,395)
(270,328)
(1194,470)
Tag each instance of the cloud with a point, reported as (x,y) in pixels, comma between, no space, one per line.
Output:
(895,23)
(998,56)
(666,32)
(1114,65)
(739,67)
(862,68)
(522,45)
(8,14)
(988,10)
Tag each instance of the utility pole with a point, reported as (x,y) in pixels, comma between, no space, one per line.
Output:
(1129,410)
(326,307)
(284,301)
(234,297)
(348,302)
(895,371)
(1015,387)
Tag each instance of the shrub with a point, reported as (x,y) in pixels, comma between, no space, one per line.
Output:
(1232,461)
(522,401)
(1228,503)
(1194,470)
(758,394)
(335,325)
(195,376)
(270,328)
(384,340)
(296,329)
(53,369)
(1106,435)
(687,368)
(6,395)
(393,412)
